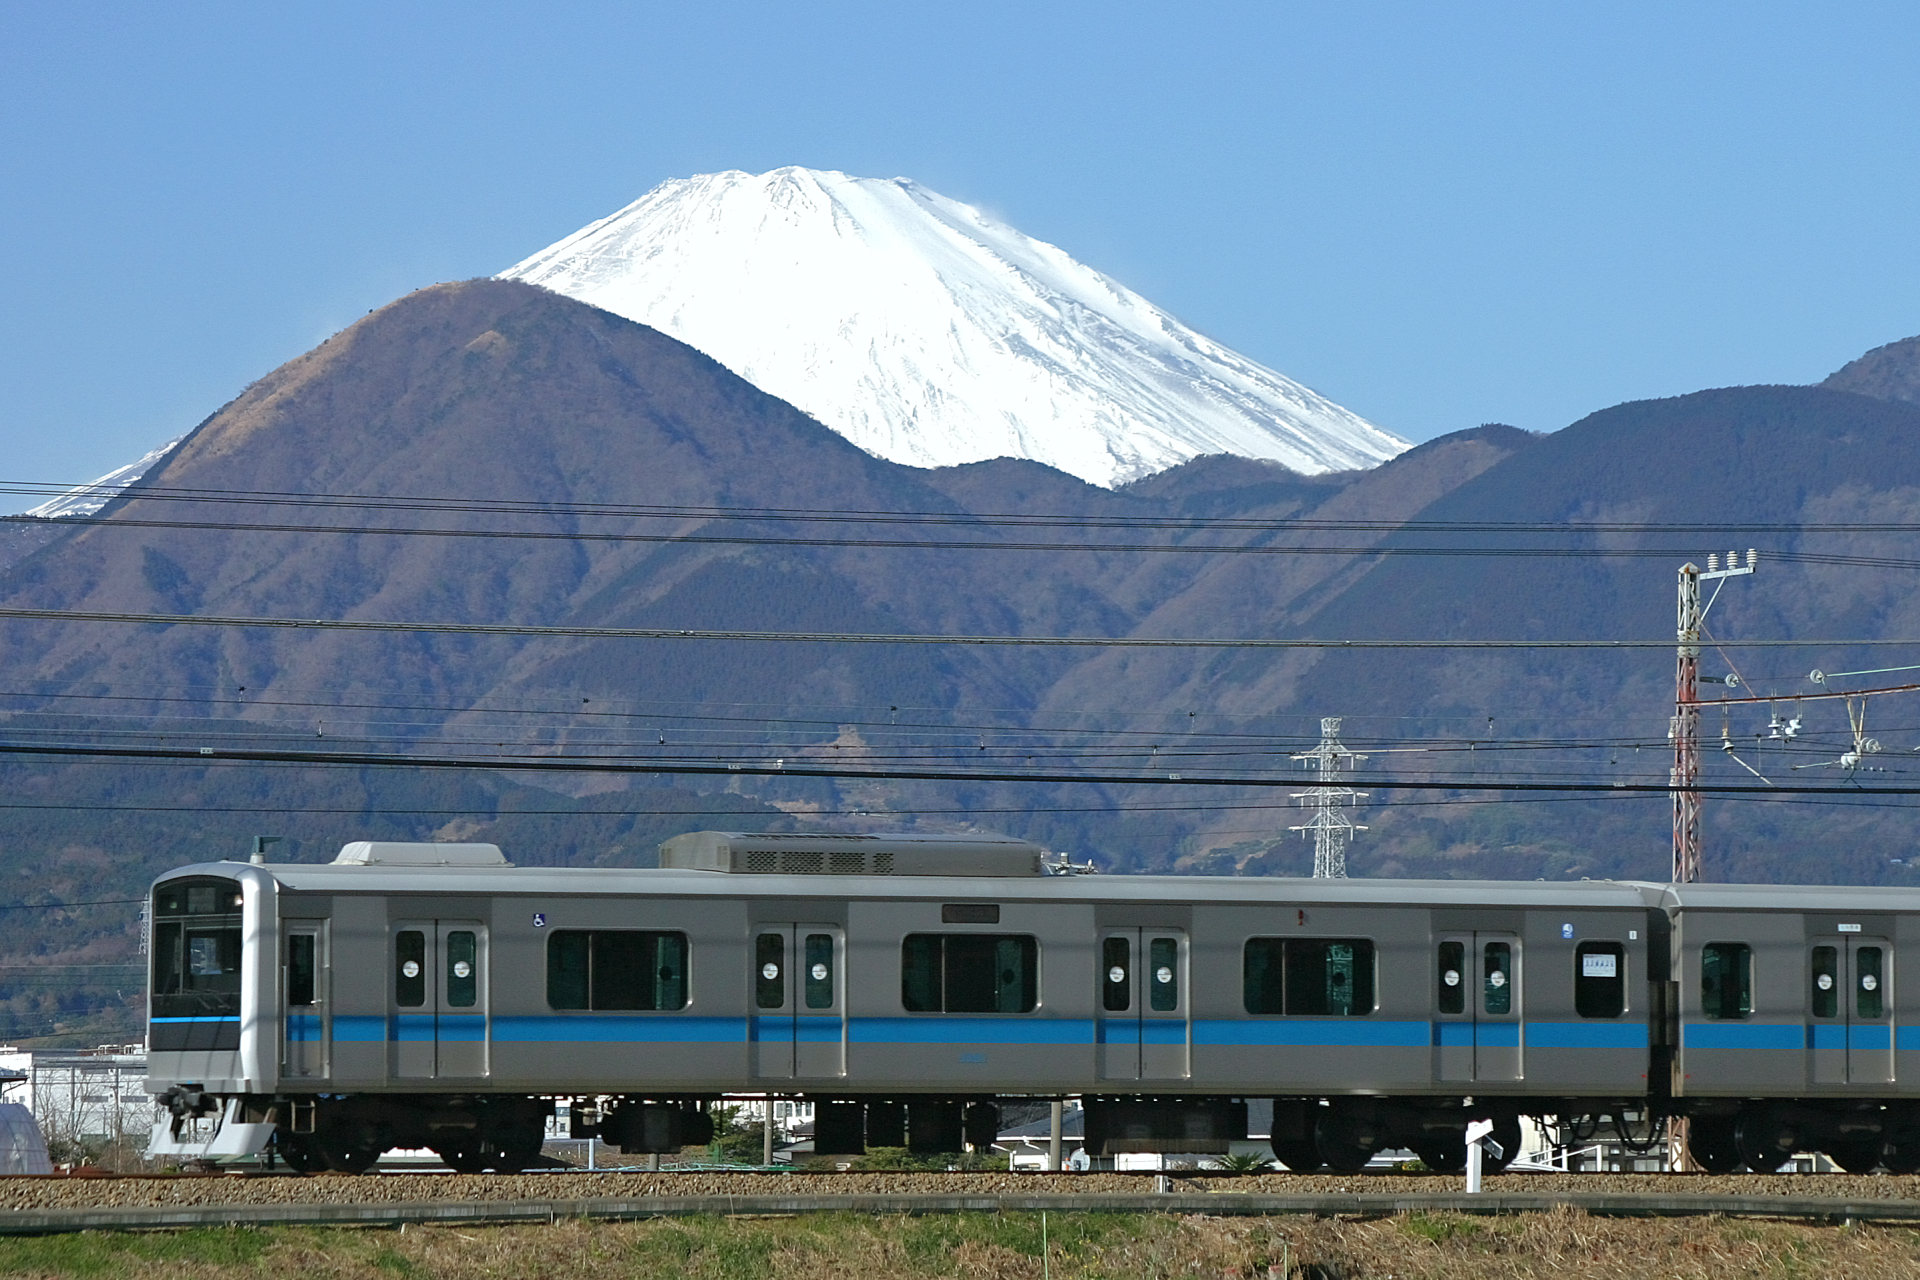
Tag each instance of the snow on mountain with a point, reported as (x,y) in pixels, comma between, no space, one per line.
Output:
(929,334)
(89,498)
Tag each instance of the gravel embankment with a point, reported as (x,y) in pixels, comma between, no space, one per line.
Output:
(397,1188)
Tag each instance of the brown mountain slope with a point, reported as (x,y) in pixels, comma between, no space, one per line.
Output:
(485,389)
(1891,372)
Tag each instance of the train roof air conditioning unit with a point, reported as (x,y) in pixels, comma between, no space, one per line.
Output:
(395,853)
(852,855)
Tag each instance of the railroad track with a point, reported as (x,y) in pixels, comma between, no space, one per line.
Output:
(1223,1203)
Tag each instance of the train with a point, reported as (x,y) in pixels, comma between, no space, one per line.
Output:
(433,995)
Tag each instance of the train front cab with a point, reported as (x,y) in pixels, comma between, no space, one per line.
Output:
(1790,1035)
(209,979)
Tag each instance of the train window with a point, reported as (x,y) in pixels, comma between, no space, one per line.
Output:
(1263,975)
(769,970)
(616,969)
(1163,973)
(1868,990)
(1599,979)
(463,969)
(969,973)
(1726,979)
(1496,978)
(199,896)
(567,970)
(1308,977)
(300,968)
(410,968)
(819,979)
(1116,972)
(1826,982)
(196,970)
(1452,995)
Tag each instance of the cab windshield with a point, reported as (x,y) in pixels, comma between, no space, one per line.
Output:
(196,948)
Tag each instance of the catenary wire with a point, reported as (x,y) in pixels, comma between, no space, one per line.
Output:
(843,637)
(137,491)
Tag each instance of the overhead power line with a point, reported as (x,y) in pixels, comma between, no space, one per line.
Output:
(465,505)
(980,544)
(846,637)
(600,764)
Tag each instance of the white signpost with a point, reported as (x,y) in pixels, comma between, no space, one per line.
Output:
(1479,1140)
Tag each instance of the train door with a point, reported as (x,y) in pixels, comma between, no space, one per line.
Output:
(1143,1004)
(1850,1008)
(1477,1007)
(438,1028)
(306,1020)
(799,996)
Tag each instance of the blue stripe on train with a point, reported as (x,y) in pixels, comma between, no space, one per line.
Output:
(1152,1031)
(410,1028)
(1586,1035)
(1868,1037)
(1051,1031)
(1311,1033)
(806,1030)
(1542,1035)
(463,1028)
(1742,1035)
(601,1028)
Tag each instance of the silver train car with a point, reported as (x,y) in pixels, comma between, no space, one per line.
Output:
(433,995)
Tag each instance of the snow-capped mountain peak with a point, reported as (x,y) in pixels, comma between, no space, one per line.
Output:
(930,334)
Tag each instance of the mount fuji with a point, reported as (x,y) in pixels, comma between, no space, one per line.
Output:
(929,334)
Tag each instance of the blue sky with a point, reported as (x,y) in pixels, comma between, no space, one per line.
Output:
(1439,215)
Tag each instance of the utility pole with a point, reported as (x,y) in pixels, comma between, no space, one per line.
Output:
(1685,778)
(1685,728)
(1330,825)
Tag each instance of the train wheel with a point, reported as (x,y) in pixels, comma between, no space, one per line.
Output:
(519,1153)
(296,1150)
(503,1149)
(1298,1154)
(1710,1143)
(1442,1155)
(347,1158)
(1346,1141)
(461,1159)
(1765,1139)
(1900,1152)
(1858,1156)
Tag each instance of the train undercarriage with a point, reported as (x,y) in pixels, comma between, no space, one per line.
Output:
(503,1133)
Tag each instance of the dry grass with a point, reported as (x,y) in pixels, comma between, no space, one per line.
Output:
(1002,1247)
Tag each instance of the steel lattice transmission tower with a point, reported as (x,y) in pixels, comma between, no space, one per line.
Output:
(1330,825)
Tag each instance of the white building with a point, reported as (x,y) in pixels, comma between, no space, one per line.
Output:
(82,1097)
